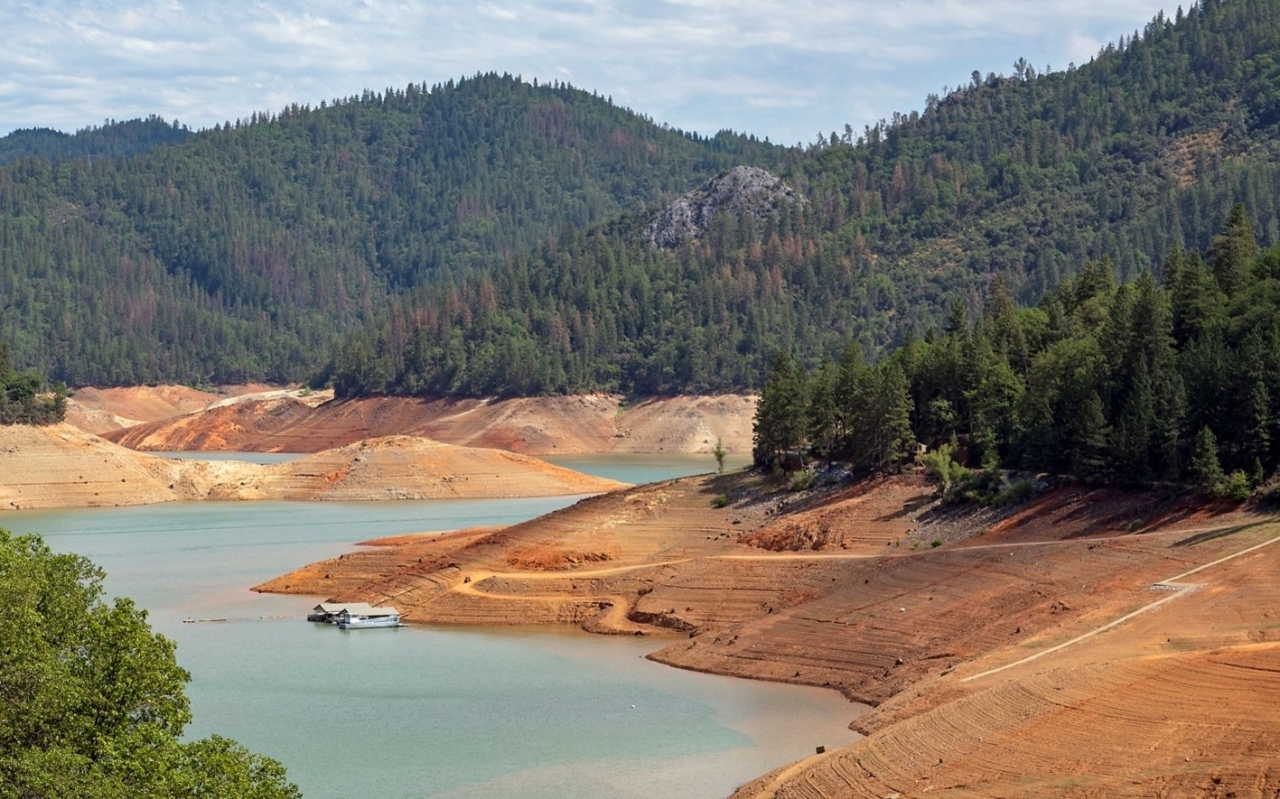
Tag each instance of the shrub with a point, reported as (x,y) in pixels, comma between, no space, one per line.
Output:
(802,480)
(942,467)
(1018,491)
(720,501)
(1236,486)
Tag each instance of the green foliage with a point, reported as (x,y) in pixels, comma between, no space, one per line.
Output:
(721,501)
(249,250)
(482,237)
(1016,492)
(941,466)
(22,397)
(111,140)
(91,701)
(1012,184)
(780,414)
(1236,486)
(1128,385)
(720,454)
(1203,471)
(802,480)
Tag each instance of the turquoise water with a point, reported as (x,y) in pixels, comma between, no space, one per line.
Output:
(425,712)
(644,468)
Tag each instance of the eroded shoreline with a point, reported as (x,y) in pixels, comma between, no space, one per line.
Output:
(842,590)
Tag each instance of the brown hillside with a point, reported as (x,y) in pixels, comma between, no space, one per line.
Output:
(842,588)
(98,410)
(101,410)
(594,424)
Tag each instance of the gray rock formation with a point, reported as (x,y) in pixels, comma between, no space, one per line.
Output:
(742,190)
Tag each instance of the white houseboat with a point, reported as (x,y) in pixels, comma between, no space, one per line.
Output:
(361,618)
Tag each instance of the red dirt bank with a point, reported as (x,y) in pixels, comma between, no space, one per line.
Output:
(593,424)
(850,595)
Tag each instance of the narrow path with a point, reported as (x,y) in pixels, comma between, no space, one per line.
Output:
(1173,584)
(614,618)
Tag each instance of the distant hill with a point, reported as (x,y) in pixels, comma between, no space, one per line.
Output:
(1029,177)
(111,140)
(243,252)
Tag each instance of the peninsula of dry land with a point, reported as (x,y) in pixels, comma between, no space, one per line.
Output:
(1089,643)
(61,466)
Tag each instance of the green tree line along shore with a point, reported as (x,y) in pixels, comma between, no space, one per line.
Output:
(1141,383)
(482,236)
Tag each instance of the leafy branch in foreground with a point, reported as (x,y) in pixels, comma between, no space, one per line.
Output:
(91,700)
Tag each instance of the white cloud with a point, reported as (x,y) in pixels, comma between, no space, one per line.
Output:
(778,68)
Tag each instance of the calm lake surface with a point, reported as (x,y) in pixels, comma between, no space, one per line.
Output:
(428,712)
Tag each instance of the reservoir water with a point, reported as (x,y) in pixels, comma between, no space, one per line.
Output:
(428,712)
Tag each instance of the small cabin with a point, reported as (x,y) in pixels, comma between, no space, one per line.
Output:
(331,612)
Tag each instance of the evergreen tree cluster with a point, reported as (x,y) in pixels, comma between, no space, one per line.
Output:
(24,398)
(483,236)
(1176,381)
(245,251)
(110,140)
(1025,177)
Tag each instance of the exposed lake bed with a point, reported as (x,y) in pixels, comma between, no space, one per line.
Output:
(417,712)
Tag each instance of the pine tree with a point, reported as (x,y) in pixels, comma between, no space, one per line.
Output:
(1204,472)
(1233,252)
(780,414)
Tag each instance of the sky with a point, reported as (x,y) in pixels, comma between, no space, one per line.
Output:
(782,69)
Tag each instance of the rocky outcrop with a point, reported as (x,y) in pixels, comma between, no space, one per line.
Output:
(743,190)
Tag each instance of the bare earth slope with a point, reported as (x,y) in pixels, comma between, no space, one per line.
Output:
(594,424)
(61,466)
(842,589)
(98,410)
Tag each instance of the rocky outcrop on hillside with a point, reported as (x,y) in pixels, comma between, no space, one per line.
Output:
(743,190)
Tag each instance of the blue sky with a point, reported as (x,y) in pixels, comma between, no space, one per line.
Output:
(785,69)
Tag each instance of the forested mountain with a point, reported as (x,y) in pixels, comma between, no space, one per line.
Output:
(1027,177)
(111,140)
(1133,384)
(245,251)
(487,236)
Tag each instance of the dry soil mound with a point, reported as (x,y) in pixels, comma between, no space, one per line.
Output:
(98,410)
(61,466)
(406,467)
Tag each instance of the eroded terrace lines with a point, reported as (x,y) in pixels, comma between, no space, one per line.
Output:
(1173,584)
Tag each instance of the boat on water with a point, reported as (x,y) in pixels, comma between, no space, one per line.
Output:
(354,615)
(368,617)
